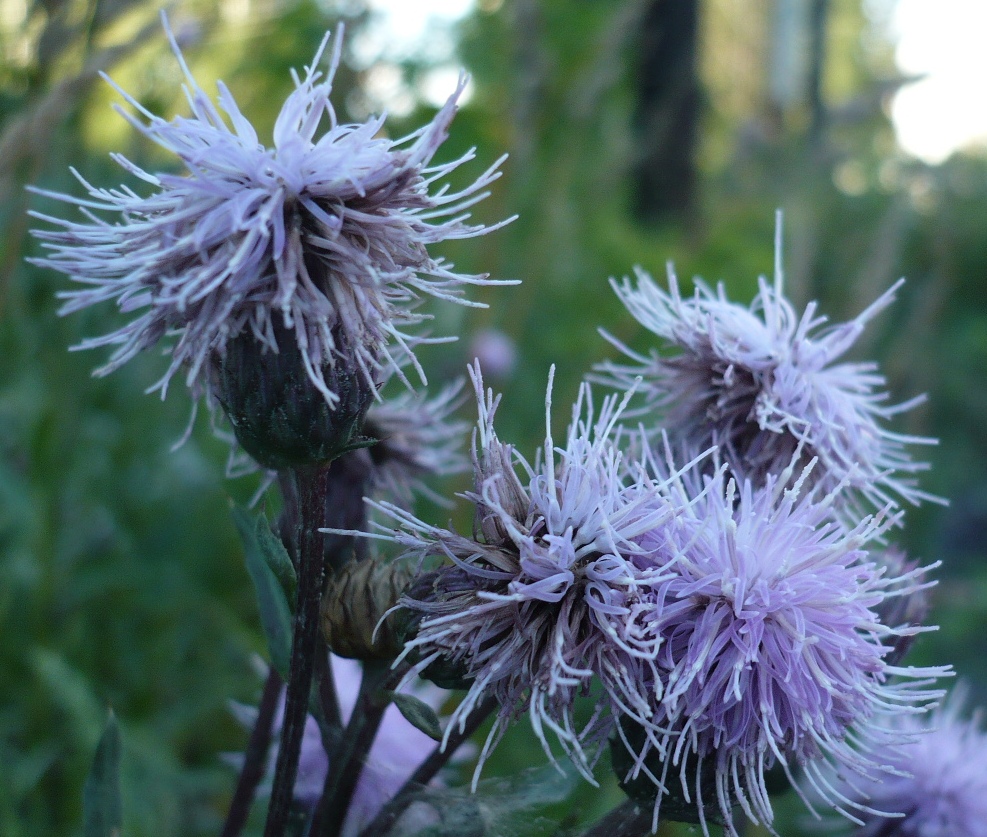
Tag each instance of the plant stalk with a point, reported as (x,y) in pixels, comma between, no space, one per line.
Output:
(311,569)
(255,758)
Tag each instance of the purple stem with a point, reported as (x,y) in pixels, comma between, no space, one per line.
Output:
(311,569)
(254,759)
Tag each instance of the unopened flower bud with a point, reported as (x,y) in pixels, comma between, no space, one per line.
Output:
(355,604)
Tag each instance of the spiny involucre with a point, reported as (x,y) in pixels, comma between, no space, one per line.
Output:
(761,382)
(773,651)
(542,597)
(321,237)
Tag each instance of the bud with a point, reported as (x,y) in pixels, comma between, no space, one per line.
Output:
(358,598)
(278,414)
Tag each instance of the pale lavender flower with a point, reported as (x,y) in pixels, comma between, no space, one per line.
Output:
(495,351)
(396,753)
(417,437)
(319,238)
(542,597)
(939,784)
(761,382)
(774,651)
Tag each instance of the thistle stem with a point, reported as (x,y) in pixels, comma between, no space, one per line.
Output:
(311,567)
(426,771)
(254,759)
(626,820)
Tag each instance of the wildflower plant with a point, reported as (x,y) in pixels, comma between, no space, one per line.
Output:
(716,581)
(315,246)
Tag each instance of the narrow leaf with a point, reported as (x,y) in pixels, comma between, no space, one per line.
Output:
(275,612)
(277,558)
(101,804)
(417,713)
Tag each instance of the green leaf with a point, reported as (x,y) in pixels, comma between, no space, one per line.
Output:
(275,612)
(417,713)
(101,805)
(277,558)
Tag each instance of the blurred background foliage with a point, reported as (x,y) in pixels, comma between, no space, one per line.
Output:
(639,131)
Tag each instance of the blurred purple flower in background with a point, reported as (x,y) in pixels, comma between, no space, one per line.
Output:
(495,352)
(397,751)
(939,788)
(320,238)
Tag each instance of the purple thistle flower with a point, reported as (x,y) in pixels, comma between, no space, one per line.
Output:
(321,236)
(762,382)
(417,438)
(542,597)
(774,651)
(937,782)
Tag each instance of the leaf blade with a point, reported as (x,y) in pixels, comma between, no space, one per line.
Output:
(102,805)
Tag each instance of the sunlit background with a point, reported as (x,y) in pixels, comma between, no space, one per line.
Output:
(121,577)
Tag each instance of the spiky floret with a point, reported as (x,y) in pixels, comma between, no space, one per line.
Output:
(939,787)
(542,597)
(322,235)
(761,382)
(774,651)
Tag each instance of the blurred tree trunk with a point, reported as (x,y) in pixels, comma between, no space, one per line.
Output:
(667,111)
(819,11)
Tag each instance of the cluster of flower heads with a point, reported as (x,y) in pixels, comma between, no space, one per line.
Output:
(721,583)
(321,237)
(724,584)
(730,625)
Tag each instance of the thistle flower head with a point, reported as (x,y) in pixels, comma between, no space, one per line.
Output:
(319,239)
(773,648)
(938,787)
(541,597)
(762,382)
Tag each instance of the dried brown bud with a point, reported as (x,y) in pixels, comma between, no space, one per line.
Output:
(357,599)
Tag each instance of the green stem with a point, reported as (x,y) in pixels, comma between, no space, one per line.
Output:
(626,820)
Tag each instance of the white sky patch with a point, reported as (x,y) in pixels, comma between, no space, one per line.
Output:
(947,110)
(404,29)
